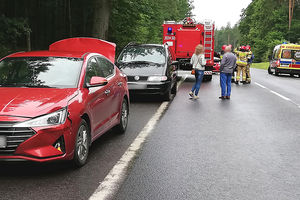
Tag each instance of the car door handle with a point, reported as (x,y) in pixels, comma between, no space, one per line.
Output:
(120,84)
(107,92)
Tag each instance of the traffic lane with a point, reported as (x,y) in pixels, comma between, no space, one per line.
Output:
(59,180)
(245,148)
(283,84)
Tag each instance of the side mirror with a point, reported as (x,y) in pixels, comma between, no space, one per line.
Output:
(175,63)
(270,57)
(97,81)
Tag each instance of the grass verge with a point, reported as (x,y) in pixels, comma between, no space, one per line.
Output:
(263,65)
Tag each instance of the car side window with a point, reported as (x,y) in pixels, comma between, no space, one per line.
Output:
(93,69)
(106,67)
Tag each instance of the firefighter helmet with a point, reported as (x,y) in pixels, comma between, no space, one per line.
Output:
(248,48)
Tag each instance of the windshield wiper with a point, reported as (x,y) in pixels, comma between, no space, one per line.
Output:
(142,62)
(24,85)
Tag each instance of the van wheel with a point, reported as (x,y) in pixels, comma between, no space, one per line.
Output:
(82,144)
(174,89)
(269,70)
(122,126)
(168,95)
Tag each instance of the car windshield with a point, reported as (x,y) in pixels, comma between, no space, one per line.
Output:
(40,72)
(291,54)
(151,54)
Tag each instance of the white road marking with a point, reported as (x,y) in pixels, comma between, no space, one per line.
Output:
(112,182)
(279,95)
(260,85)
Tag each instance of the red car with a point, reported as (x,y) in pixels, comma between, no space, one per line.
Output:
(55,103)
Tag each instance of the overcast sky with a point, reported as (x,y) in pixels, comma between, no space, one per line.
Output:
(220,11)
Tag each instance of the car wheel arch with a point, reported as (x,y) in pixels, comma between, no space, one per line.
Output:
(86,117)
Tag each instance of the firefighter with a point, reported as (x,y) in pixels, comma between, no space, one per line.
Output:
(242,60)
(250,60)
(222,51)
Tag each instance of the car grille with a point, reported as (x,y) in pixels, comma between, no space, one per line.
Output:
(14,137)
(141,78)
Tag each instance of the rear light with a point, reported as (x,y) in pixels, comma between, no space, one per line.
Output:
(209,63)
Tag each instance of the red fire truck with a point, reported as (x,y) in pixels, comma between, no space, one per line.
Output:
(182,38)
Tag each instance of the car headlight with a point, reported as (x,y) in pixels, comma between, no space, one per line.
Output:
(157,78)
(55,118)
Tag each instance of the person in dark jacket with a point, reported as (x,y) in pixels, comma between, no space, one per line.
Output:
(228,65)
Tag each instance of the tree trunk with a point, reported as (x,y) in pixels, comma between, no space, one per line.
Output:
(101,18)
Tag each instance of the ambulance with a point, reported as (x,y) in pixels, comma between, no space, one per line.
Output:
(285,60)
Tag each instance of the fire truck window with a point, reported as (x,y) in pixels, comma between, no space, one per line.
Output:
(287,54)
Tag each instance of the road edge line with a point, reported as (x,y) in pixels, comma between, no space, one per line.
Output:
(113,180)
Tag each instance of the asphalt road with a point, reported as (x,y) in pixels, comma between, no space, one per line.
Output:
(245,148)
(59,180)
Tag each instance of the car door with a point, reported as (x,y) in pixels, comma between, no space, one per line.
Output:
(98,99)
(113,87)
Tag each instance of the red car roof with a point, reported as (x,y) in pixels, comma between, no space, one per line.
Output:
(48,54)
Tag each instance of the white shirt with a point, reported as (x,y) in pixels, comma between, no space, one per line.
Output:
(198,62)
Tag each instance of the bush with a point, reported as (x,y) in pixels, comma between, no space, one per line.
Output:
(11,33)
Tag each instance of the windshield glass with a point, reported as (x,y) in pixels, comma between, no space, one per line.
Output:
(291,54)
(40,72)
(150,54)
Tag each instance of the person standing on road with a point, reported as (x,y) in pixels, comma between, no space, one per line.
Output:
(250,61)
(242,60)
(198,61)
(228,64)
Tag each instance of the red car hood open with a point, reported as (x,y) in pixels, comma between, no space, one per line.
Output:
(32,102)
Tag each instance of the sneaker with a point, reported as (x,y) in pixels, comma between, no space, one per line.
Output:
(222,98)
(196,97)
(227,97)
(191,94)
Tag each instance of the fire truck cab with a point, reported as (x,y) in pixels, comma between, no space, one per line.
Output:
(182,38)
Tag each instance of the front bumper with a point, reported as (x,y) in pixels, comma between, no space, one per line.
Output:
(152,88)
(288,70)
(37,144)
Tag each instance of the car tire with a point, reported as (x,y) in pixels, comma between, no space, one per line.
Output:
(122,126)
(82,144)
(168,95)
(208,78)
(174,89)
(269,70)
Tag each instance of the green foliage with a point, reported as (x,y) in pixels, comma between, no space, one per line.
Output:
(227,35)
(11,32)
(140,20)
(264,24)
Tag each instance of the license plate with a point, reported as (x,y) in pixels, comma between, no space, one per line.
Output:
(137,86)
(2,141)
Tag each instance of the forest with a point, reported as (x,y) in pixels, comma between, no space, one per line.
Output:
(263,24)
(35,24)
(38,23)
